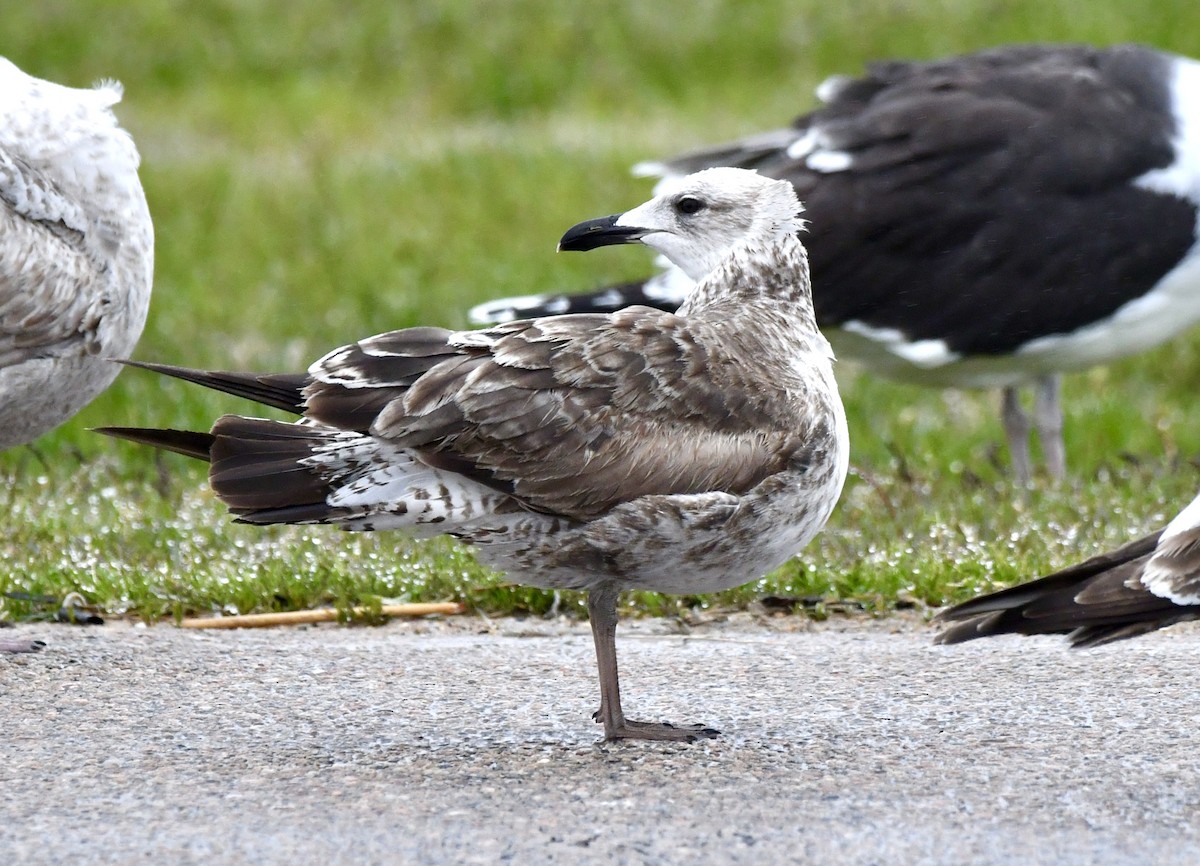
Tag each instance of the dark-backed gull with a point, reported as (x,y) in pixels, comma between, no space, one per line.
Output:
(76,250)
(988,220)
(680,452)
(1145,585)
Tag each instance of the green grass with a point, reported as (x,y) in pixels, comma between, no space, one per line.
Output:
(323,171)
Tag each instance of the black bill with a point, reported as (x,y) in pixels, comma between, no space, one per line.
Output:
(600,232)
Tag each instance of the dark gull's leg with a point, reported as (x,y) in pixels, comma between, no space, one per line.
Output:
(1048,419)
(602,611)
(1016,430)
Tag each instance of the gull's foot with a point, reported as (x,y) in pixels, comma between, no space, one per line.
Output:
(631,730)
(21,646)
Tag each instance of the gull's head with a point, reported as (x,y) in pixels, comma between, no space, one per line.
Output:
(696,221)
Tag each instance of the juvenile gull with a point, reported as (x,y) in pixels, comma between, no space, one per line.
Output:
(76,250)
(1145,585)
(680,452)
(984,221)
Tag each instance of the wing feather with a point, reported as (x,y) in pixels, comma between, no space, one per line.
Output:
(570,415)
(904,171)
(44,256)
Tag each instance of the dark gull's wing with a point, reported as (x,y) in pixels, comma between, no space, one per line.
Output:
(1115,595)
(921,181)
(352,385)
(571,415)
(949,165)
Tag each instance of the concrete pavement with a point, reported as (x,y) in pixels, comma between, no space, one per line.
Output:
(460,741)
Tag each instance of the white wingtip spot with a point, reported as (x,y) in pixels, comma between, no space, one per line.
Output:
(491,313)
(832,87)
(510,309)
(829,161)
(608,299)
(927,353)
(804,145)
(671,286)
(649,169)
(920,353)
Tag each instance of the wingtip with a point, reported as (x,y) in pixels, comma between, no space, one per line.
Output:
(167,369)
(953,635)
(281,390)
(967,628)
(189,443)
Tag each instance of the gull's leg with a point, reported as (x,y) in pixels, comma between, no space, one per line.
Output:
(1016,430)
(602,611)
(1048,419)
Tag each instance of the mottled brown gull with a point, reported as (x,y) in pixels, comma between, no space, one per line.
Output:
(76,250)
(640,449)
(1147,584)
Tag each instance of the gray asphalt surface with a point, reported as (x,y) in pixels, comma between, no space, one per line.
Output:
(468,742)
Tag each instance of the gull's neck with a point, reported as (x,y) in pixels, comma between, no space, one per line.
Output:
(759,276)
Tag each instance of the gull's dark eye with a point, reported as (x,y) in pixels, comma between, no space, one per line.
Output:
(689,205)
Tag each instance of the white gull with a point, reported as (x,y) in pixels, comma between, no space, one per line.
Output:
(76,250)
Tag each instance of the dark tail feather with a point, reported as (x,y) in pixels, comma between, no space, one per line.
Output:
(258,470)
(257,466)
(282,390)
(185,442)
(1096,601)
